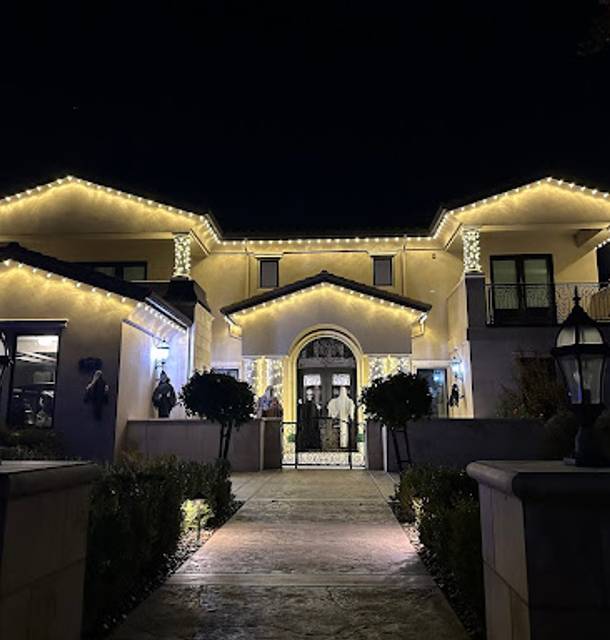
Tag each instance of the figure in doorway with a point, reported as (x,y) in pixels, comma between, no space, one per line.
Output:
(342,409)
(269,405)
(309,423)
(164,396)
(96,394)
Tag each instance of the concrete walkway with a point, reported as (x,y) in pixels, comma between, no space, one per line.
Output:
(311,554)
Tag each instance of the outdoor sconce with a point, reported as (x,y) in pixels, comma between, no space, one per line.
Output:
(581,352)
(161,353)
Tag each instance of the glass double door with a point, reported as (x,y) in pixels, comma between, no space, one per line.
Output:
(523,291)
(326,409)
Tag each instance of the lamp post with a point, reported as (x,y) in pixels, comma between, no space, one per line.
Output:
(5,361)
(581,352)
(5,356)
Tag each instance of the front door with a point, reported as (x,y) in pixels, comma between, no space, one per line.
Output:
(326,429)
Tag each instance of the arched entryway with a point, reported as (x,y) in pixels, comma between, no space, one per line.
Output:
(326,430)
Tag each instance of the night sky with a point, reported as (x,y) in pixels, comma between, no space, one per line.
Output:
(307,116)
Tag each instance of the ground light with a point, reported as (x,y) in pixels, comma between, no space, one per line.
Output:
(581,352)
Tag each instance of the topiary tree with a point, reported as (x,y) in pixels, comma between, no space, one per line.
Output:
(219,398)
(394,402)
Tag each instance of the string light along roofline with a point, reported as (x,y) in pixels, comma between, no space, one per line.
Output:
(233,316)
(206,219)
(148,305)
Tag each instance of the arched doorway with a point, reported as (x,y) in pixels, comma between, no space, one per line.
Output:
(326,429)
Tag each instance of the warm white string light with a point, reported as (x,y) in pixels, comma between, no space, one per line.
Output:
(182,255)
(216,235)
(95,290)
(202,218)
(471,237)
(332,286)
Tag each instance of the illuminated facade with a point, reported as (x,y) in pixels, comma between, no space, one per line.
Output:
(488,283)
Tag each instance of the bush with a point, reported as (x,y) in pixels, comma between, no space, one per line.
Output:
(30,444)
(135,526)
(445,508)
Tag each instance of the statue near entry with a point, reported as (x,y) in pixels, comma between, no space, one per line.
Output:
(342,409)
(309,422)
(164,396)
(269,405)
(96,394)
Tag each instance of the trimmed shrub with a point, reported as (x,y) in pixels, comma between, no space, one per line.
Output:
(445,508)
(135,526)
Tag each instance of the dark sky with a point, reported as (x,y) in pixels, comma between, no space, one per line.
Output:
(305,116)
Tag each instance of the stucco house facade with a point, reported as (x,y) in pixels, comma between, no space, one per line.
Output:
(487,283)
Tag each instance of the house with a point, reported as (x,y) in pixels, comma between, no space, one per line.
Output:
(488,283)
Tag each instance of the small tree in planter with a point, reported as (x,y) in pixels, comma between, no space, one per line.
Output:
(394,402)
(219,398)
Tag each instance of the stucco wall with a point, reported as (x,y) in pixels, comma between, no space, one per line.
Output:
(378,329)
(198,440)
(158,254)
(570,262)
(93,330)
(138,375)
(456,443)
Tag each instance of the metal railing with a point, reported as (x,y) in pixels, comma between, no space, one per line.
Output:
(298,450)
(545,304)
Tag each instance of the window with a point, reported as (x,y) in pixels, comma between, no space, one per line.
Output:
(123,270)
(32,396)
(382,271)
(269,273)
(523,288)
(234,373)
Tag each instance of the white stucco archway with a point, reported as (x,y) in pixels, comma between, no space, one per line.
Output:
(302,340)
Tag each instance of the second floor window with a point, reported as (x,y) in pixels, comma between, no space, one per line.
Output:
(269,273)
(122,270)
(382,271)
(522,288)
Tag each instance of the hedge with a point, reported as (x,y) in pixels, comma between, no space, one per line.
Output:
(135,525)
(444,506)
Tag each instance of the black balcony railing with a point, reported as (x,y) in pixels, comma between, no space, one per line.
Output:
(545,304)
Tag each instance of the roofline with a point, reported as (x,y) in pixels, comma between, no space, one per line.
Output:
(213,226)
(13,251)
(324,277)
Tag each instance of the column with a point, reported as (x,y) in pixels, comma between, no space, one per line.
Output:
(471,239)
(182,255)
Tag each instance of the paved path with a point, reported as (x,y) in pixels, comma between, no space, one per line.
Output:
(311,554)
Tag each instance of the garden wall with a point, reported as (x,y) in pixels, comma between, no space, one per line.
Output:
(255,446)
(457,442)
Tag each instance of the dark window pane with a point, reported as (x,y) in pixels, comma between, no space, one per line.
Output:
(134,272)
(382,271)
(269,273)
(33,381)
(108,270)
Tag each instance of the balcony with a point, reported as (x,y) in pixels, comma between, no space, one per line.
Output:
(544,304)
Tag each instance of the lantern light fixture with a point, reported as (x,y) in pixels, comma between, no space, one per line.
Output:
(581,352)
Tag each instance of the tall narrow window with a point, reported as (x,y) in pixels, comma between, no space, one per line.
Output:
(382,271)
(269,273)
(32,399)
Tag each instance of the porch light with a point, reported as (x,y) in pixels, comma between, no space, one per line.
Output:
(161,353)
(581,352)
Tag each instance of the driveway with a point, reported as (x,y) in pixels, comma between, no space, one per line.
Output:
(311,554)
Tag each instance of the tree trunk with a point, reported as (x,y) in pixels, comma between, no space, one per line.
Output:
(408,445)
(221,442)
(228,432)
